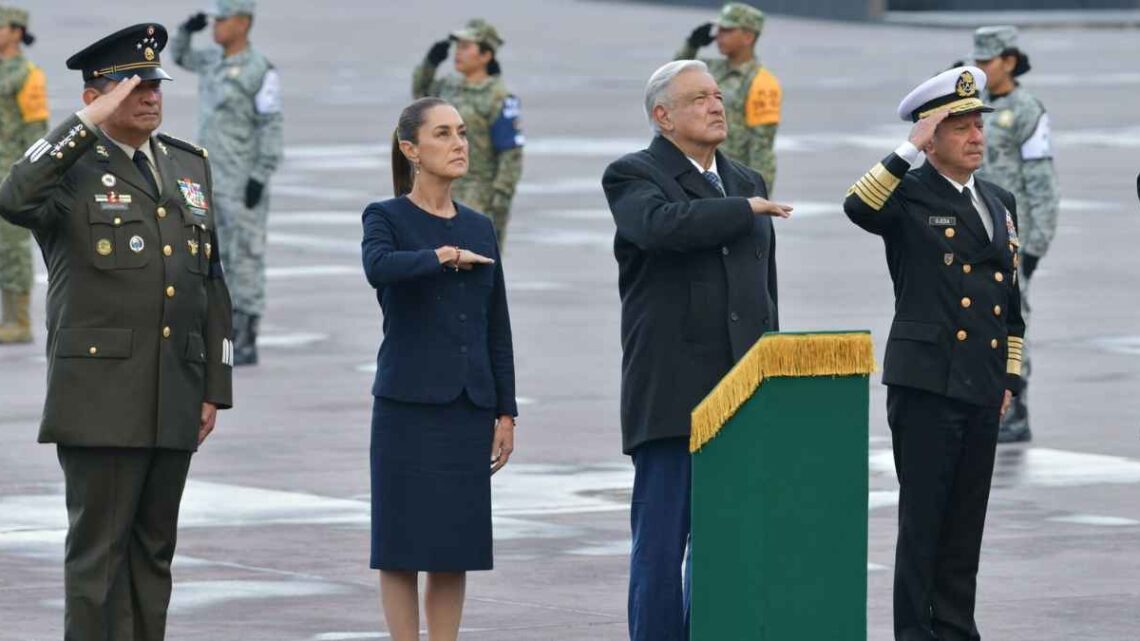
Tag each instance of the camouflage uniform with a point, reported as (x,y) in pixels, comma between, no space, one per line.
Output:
(240,123)
(495,140)
(1019,157)
(752,97)
(23,120)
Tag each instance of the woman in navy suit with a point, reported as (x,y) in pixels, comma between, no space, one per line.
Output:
(444,394)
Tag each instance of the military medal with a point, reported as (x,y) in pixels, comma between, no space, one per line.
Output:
(108,180)
(193,244)
(112,197)
(137,244)
(192,192)
(103,247)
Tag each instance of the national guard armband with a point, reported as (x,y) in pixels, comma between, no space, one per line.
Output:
(1038,146)
(506,131)
(764,97)
(32,98)
(268,98)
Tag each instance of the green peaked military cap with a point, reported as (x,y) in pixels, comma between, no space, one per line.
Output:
(480,31)
(128,52)
(231,8)
(737,15)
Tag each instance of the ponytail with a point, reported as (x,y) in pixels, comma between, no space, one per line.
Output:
(407,130)
(402,176)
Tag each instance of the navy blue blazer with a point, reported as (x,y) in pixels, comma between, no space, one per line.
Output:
(697,277)
(446,332)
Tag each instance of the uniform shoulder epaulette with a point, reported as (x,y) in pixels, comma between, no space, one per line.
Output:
(183,144)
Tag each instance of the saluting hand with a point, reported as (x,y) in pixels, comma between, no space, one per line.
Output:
(765,207)
(102,107)
(503,443)
(701,36)
(438,52)
(923,132)
(468,260)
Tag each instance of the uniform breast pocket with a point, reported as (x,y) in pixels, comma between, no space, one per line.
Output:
(119,238)
(198,239)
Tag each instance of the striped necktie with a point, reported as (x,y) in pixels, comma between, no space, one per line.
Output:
(714,180)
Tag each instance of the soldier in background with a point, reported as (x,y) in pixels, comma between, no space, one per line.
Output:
(23,120)
(240,123)
(490,112)
(1019,157)
(752,94)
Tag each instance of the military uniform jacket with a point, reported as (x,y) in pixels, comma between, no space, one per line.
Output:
(697,277)
(139,316)
(957,330)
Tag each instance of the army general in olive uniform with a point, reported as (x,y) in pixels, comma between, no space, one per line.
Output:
(491,113)
(1019,157)
(752,94)
(23,119)
(139,321)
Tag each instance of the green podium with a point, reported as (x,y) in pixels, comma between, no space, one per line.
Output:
(779,527)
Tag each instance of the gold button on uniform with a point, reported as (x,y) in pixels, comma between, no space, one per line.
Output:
(997,310)
(166,332)
(167,250)
(950,232)
(961,334)
(994,343)
(93,351)
(999,277)
(161,212)
(118,221)
(967,269)
(82,133)
(966,302)
(170,292)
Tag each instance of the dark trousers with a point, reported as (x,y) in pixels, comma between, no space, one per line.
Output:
(122,510)
(944,458)
(659,518)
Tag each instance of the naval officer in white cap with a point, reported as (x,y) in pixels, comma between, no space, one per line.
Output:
(953,358)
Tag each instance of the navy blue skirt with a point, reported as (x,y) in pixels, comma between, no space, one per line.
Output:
(431,486)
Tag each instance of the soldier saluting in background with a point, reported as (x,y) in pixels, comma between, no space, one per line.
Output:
(491,113)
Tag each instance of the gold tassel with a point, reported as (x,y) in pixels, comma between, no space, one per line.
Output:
(839,354)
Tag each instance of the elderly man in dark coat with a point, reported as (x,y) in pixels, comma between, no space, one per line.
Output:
(695,247)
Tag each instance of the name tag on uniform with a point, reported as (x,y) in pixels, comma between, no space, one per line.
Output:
(942,221)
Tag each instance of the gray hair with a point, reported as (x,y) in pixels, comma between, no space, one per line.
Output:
(657,89)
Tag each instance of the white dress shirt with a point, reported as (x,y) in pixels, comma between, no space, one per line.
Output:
(908,152)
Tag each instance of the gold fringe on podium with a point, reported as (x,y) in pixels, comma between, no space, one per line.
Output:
(840,354)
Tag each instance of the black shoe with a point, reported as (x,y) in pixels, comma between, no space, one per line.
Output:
(245,339)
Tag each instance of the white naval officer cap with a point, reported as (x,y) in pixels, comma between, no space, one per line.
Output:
(957,89)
